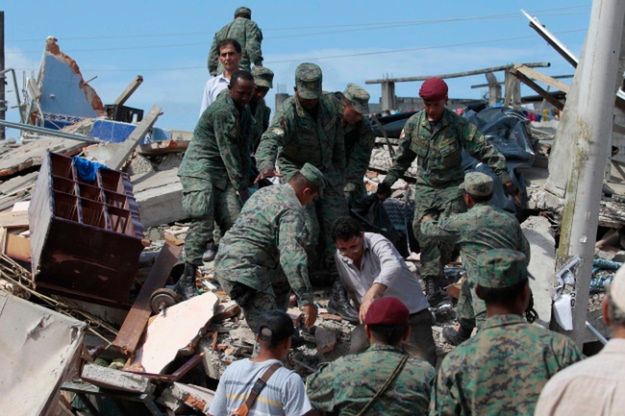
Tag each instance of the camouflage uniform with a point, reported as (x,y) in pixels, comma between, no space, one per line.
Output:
(438,149)
(262,257)
(502,369)
(359,139)
(296,137)
(482,228)
(346,385)
(249,36)
(215,167)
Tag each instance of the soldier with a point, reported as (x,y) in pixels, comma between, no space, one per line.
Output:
(263,78)
(245,31)
(382,380)
(502,369)
(262,258)
(307,129)
(436,137)
(481,228)
(215,172)
(359,139)
(229,57)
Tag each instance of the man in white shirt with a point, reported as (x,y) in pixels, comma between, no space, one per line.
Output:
(284,393)
(370,267)
(229,56)
(596,385)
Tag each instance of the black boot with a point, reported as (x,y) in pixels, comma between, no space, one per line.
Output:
(433,291)
(456,336)
(339,303)
(210,253)
(185,286)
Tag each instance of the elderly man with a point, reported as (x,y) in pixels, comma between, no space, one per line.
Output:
(436,137)
(247,33)
(370,267)
(229,56)
(262,258)
(380,381)
(214,172)
(281,391)
(502,369)
(595,386)
(481,228)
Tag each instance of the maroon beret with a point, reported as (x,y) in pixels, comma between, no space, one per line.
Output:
(433,89)
(387,311)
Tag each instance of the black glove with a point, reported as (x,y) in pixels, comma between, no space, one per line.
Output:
(384,190)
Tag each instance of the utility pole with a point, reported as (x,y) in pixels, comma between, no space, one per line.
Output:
(590,118)
(3,103)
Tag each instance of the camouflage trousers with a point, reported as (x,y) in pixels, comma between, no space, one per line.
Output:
(255,303)
(206,204)
(439,203)
(469,306)
(319,217)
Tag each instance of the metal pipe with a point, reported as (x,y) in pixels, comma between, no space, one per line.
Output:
(17,91)
(50,132)
(596,333)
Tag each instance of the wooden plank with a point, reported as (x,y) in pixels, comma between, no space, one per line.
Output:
(12,219)
(530,83)
(17,247)
(137,135)
(539,76)
(132,329)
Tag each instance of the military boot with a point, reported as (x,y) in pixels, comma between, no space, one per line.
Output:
(456,336)
(339,303)
(185,286)
(433,291)
(210,253)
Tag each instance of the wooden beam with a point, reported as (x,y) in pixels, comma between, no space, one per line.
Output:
(530,83)
(13,219)
(131,88)
(533,74)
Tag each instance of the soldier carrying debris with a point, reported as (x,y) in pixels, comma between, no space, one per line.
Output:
(309,129)
(436,137)
(481,228)
(215,171)
(380,381)
(263,256)
(245,31)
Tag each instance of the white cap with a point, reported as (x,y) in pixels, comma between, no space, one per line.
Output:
(617,289)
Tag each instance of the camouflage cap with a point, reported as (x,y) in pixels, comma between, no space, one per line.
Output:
(359,97)
(243,11)
(263,77)
(500,268)
(477,184)
(308,81)
(314,175)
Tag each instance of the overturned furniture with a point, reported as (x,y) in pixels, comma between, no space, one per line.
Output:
(85,232)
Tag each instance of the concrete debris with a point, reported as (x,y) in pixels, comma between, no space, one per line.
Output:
(325,340)
(178,396)
(159,195)
(115,379)
(38,346)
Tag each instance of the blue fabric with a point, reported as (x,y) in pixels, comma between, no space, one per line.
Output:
(87,169)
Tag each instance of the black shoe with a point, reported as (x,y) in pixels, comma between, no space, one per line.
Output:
(185,286)
(456,336)
(210,253)
(339,304)
(435,291)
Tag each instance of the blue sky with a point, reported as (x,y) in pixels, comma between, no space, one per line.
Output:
(167,42)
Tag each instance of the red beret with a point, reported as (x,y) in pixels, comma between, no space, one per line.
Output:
(433,89)
(387,311)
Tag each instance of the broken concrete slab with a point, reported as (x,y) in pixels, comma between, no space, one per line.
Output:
(179,395)
(159,195)
(325,339)
(116,379)
(542,265)
(165,335)
(38,347)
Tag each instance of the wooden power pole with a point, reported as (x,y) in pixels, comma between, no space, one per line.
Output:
(3,103)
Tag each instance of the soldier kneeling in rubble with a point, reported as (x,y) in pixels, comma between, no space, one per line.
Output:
(263,256)
(261,385)
(380,381)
